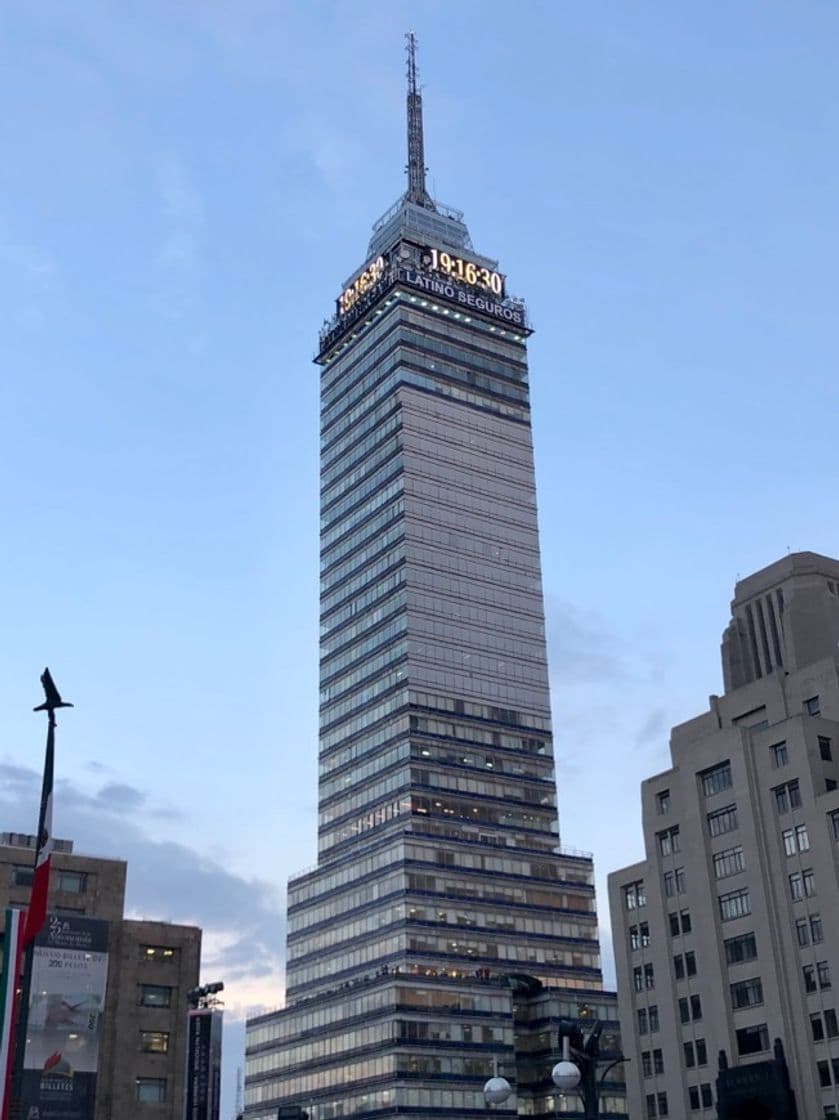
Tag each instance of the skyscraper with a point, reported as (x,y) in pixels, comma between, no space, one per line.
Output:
(439,873)
(725,933)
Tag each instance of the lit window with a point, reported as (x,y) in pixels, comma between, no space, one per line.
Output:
(154,1042)
(157,953)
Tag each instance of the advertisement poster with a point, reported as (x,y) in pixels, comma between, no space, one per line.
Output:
(203,1066)
(67,1003)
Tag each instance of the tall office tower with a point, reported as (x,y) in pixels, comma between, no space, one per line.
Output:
(725,934)
(439,872)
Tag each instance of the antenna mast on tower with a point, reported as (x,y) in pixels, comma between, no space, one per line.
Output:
(417,192)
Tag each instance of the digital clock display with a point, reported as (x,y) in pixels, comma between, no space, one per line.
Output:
(362,283)
(466,272)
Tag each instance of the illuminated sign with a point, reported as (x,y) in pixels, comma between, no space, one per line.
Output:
(463,271)
(467,298)
(362,284)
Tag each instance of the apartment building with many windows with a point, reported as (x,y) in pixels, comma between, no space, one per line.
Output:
(725,933)
(151,966)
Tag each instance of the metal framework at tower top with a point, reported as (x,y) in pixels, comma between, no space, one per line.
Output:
(417,192)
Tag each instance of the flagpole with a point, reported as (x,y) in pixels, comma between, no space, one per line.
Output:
(37,909)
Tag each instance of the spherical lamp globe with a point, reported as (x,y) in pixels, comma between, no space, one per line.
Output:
(565,1075)
(497,1090)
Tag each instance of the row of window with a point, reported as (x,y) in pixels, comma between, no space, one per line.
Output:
(72,882)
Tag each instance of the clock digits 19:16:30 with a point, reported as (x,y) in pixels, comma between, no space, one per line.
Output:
(467,271)
(362,283)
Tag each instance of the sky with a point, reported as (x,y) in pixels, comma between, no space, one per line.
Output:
(184,188)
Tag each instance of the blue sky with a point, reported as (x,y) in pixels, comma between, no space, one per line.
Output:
(184,188)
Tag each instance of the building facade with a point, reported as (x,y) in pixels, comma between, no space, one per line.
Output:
(725,934)
(151,967)
(439,867)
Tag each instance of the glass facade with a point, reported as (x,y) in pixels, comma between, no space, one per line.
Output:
(439,870)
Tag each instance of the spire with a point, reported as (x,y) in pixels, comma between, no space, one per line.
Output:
(416,155)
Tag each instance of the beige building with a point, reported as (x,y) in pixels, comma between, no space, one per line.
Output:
(151,967)
(725,936)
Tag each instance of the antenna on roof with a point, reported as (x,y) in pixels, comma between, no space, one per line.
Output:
(417,192)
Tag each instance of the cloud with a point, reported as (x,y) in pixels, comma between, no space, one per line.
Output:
(653,727)
(242,919)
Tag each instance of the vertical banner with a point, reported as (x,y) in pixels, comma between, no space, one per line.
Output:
(9,1001)
(67,1003)
(203,1065)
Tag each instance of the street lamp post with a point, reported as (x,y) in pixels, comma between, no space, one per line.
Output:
(577,1070)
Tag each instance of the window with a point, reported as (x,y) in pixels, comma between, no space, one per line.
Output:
(646,1064)
(649,976)
(701,1052)
(780,755)
(642,1020)
(685,917)
(830,1023)
(829,785)
(651,1110)
(824,749)
(824,1073)
(680,880)
(684,965)
(787,796)
(690,1008)
(751,1040)
(639,936)
(812,706)
(658,1062)
(634,895)
(796,839)
(707,1095)
(154,1042)
(22,877)
(746,993)
(817,1028)
(157,953)
(669,884)
(668,841)
(638,978)
(155,995)
(735,904)
(728,862)
(817,976)
(74,882)
(740,949)
(716,779)
(823,972)
(653,1010)
(809,930)
(662,801)
(151,1090)
(834,823)
(722,821)
(662,1105)
(802,884)
(690,1055)
(693,1097)
(809,974)
(634,939)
